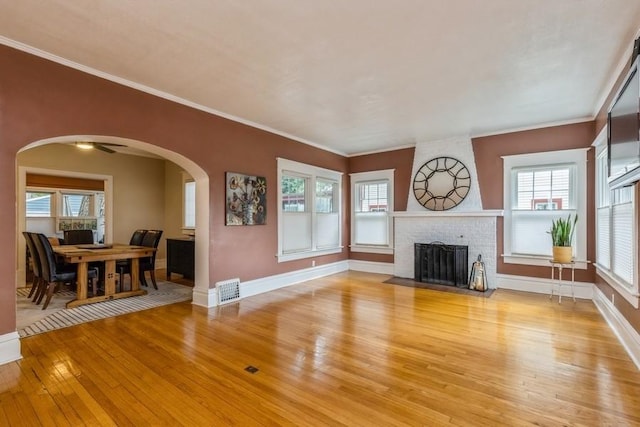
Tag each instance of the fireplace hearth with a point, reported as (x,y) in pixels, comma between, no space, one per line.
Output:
(441,264)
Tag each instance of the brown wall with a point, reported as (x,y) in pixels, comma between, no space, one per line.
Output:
(488,152)
(402,162)
(41,99)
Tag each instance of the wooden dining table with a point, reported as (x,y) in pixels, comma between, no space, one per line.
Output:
(109,254)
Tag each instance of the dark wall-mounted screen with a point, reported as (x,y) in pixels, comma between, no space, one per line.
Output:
(624,133)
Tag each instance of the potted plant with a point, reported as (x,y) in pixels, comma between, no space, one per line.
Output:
(562,235)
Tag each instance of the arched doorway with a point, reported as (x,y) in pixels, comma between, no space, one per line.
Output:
(201,179)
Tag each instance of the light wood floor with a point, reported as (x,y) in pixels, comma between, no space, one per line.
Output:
(342,350)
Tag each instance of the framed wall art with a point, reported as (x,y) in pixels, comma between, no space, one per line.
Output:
(246,199)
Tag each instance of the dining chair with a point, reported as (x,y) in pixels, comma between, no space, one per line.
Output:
(54,274)
(35,263)
(122,265)
(150,239)
(78,237)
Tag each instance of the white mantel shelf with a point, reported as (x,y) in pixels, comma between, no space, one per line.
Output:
(444,214)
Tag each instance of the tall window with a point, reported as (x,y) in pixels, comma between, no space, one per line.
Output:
(616,232)
(541,194)
(539,188)
(372,207)
(189,203)
(309,214)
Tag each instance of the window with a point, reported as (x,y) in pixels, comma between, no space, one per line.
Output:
(39,204)
(78,205)
(371,212)
(615,231)
(52,210)
(539,188)
(309,214)
(189,202)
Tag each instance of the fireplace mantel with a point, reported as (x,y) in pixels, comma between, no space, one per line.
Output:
(444,214)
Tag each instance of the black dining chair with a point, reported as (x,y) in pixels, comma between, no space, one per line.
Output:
(150,239)
(78,237)
(35,263)
(54,274)
(123,264)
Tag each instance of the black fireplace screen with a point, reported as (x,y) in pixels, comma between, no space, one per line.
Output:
(441,264)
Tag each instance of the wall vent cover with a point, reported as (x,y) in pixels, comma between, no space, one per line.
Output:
(228,291)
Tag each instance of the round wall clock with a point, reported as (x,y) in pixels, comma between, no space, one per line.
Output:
(441,183)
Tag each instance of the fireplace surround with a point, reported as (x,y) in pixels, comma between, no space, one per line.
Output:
(475,229)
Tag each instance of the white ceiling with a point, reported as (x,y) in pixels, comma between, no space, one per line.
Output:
(353,76)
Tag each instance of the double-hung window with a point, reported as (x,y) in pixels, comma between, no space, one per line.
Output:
(371,211)
(616,259)
(539,188)
(309,213)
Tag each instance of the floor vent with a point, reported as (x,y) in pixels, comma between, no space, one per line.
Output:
(228,291)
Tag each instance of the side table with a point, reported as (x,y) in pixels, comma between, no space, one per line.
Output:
(559,283)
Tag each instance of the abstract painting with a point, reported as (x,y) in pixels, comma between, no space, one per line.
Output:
(246,199)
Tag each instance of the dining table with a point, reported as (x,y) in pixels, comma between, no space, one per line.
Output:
(82,255)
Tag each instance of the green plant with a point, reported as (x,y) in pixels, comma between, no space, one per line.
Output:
(562,230)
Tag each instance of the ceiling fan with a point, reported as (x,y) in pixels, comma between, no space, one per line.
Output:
(103,146)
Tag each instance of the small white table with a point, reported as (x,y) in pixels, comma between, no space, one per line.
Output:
(559,283)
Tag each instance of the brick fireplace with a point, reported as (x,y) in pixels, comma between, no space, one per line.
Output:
(467,224)
(476,230)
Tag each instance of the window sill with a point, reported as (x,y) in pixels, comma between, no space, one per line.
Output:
(307,254)
(541,261)
(628,294)
(386,250)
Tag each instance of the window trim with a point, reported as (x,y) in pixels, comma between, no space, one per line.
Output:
(577,157)
(293,168)
(373,176)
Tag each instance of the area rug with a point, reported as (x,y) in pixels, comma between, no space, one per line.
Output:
(443,288)
(32,320)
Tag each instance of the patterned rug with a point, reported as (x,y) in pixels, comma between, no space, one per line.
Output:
(32,320)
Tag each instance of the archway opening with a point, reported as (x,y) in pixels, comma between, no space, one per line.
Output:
(199,176)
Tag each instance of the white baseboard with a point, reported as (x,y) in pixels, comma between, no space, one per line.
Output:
(208,298)
(204,297)
(627,335)
(539,285)
(9,348)
(371,267)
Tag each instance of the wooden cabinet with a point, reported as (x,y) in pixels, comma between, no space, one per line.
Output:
(180,257)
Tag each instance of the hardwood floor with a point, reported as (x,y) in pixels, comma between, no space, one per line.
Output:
(342,350)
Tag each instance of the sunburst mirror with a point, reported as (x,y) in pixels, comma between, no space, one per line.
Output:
(441,183)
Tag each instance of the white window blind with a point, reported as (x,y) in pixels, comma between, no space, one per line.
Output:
(296,213)
(309,215)
(372,206)
(622,250)
(541,194)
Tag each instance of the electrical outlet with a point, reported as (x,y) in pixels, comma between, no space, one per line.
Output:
(313,263)
(613,299)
